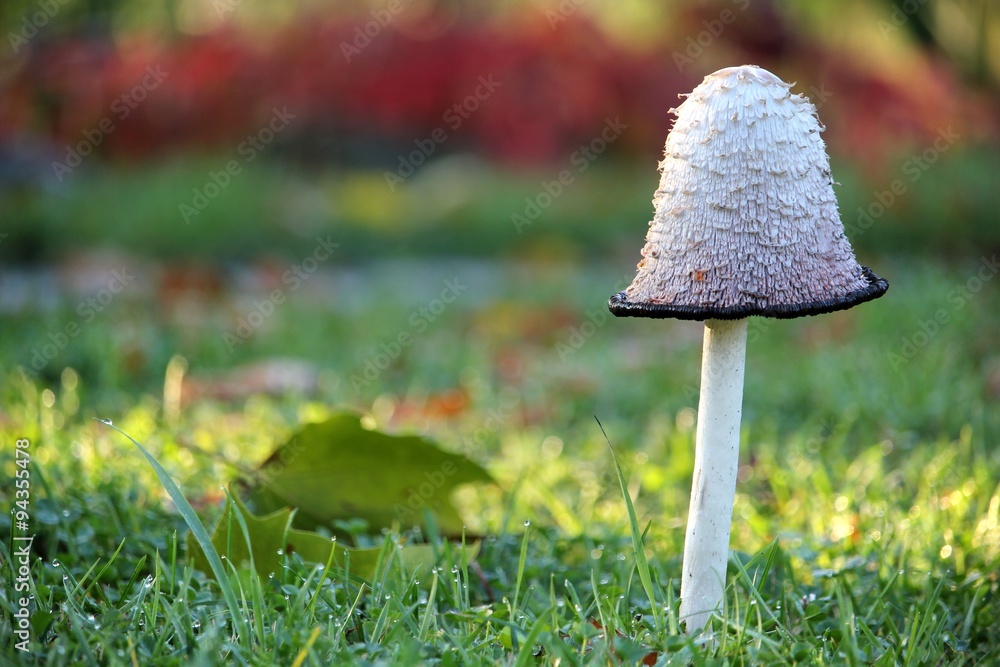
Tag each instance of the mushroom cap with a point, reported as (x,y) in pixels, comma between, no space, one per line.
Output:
(745,222)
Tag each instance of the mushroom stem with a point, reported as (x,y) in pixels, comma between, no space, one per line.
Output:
(716,458)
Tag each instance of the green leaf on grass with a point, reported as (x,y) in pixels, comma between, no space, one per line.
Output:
(271,538)
(337,470)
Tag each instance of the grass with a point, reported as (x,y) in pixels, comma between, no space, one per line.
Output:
(866,520)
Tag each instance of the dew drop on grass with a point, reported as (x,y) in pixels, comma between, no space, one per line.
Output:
(527,522)
(56,563)
(281,552)
(196,625)
(65,513)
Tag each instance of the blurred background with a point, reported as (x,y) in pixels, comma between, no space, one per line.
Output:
(286,189)
(221,219)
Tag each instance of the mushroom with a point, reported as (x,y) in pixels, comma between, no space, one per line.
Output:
(745,223)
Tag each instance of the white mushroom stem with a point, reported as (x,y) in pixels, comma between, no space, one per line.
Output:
(716,458)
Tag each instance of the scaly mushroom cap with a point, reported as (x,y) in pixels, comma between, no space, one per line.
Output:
(746,221)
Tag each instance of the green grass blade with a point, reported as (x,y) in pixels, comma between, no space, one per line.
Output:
(525,655)
(198,530)
(256,594)
(520,573)
(429,609)
(136,571)
(640,553)
(97,577)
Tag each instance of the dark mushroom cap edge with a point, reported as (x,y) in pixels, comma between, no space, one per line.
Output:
(621,307)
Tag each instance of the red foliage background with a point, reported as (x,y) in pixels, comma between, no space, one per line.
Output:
(558,85)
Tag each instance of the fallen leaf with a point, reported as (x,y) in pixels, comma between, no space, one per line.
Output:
(339,470)
(271,538)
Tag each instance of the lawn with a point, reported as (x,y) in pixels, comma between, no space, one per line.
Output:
(866,521)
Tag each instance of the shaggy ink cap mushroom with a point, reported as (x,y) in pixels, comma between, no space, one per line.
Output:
(746,222)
